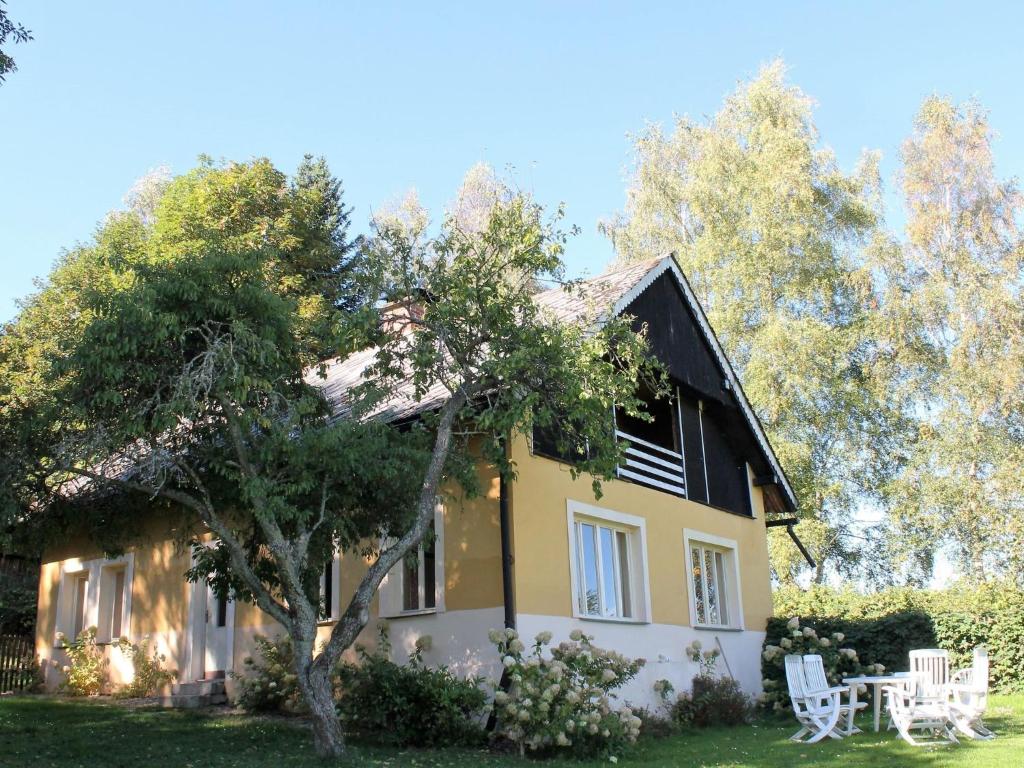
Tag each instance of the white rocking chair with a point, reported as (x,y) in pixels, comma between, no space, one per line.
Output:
(969,697)
(817,712)
(815,680)
(921,712)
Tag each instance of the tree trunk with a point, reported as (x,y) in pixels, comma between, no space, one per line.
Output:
(315,685)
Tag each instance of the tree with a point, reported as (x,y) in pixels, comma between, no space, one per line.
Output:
(195,382)
(17,33)
(769,231)
(954,316)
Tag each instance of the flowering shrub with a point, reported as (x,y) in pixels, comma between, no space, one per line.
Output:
(268,684)
(150,675)
(885,625)
(411,704)
(85,674)
(564,702)
(712,700)
(838,658)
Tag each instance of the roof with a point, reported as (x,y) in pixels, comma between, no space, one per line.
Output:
(565,303)
(612,291)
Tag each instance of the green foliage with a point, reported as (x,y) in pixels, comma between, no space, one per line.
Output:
(564,703)
(17,33)
(178,361)
(268,683)
(85,674)
(409,705)
(952,315)
(149,673)
(19,592)
(886,625)
(712,700)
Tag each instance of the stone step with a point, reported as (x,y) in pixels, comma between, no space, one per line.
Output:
(198,688)
(193,701)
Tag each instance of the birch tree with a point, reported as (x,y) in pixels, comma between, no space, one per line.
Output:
(954,314)
(770,232)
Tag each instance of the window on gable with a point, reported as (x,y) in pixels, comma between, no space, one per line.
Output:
(714,588)
(607,558)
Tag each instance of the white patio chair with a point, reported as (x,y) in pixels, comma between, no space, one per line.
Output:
(969,697)
(921,720)
(817,712)
(816,680)
(931,668)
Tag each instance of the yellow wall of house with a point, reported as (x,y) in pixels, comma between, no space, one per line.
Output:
(542,575)
(160,593)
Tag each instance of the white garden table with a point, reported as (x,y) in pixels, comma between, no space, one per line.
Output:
(876,682)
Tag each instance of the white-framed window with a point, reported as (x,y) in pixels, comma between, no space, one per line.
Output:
(78,585)
(712,565)
(113,603)
(95,593)
(330,588)
(416,585)
(608,564)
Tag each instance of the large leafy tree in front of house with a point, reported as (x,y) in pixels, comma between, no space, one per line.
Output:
(770,232)
(193,380)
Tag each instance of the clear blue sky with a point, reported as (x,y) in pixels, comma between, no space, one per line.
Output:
(403,95)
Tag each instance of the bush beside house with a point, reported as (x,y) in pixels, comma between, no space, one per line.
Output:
(409,705)
(552,700)
(884,626)
(712,700)
(85,673)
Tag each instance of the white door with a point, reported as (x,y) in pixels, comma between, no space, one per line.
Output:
(217,636)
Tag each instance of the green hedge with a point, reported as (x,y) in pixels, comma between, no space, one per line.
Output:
(884,626)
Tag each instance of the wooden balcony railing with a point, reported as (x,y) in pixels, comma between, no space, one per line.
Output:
(652,465)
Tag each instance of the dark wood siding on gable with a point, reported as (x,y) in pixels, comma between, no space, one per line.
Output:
(677,340)
(728,485)
(727,443)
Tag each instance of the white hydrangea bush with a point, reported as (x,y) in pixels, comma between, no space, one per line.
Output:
(562,698)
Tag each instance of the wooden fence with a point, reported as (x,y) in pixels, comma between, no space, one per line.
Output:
(18,669)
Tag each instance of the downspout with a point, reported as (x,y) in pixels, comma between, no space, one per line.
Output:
(507,582)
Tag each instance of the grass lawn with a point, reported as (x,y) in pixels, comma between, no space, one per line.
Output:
(45,731)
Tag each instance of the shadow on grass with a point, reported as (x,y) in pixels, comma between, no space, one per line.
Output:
(46,731)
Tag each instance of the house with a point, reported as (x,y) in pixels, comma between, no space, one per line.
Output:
(674,551)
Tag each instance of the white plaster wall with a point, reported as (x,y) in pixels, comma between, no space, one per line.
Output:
(459,639)
(460,642)
(662,646)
